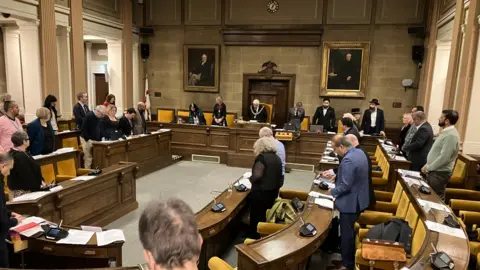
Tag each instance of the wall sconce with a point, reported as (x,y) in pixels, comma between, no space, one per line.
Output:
(408,83)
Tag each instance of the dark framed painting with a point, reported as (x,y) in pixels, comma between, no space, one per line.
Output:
(201,68)
(345,69)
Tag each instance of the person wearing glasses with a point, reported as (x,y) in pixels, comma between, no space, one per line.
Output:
(26,175)
(41,133)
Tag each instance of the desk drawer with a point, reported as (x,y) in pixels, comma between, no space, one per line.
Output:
(53,249)
(90,252)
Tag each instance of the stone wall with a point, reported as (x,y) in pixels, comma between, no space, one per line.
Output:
(3,80)
(390,63)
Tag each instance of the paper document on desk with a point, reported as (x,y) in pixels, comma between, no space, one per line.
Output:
(409,173)
(31,196)
(326,181)
(329,158)
(320,195)
(84,178)
(331,132)
(30,222)
(247,175)
(433,205)
(76,237)
(437,227)
(64,150)
(55,189)
(31,232)
(110,236)
(91,228)
(401,158)
(245,182)
(38,157)
(324,203)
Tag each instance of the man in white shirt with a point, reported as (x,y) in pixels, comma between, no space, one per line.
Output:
(373,120)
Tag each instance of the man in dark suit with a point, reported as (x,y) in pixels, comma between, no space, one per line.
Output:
(419,145)
(349,127)
(325,116)
(80,109)
(296,115)
(373,119)
(91,132)
(125,124)
(351,196)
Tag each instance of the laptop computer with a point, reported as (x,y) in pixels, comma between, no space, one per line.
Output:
(316,128)
(289,127)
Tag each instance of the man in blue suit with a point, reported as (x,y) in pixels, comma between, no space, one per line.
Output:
(351,195)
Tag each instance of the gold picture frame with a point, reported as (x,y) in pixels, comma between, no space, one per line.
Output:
(194,68)
(345,68)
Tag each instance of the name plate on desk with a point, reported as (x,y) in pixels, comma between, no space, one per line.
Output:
(284,136)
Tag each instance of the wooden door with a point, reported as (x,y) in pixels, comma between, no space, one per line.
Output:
(274,93)
(101,88)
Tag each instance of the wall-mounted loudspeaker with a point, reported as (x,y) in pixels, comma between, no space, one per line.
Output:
(145,50)
(417,53)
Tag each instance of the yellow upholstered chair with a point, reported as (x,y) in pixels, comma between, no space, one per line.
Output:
(388,201)
(381,179)
(71,142)
(472,220)
(459,171)
(63,125)
(231,119)
(183,113)
(6,190)
(208,118)
(339,127)
(48,173)
(165,115)
(305,124)
(215,263)
(67,170)
(371,218)
(269,108)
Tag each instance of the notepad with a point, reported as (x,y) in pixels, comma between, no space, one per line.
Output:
(76,237)
(110,236)
(437,227)
(324,203)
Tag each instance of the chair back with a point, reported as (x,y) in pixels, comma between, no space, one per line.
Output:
(71,142)
(419,235)
(402,206)
(67,167)
(48,173)
(216,263)
(269,108)
(412,217)
(459,171)
(340,127)
(208,118)
(304,126)
(165,115)
(397,193)
(231,119)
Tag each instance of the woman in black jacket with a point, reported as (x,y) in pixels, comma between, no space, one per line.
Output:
(50,102)
(266,179)
(219,113)
(109,123)
(26,175)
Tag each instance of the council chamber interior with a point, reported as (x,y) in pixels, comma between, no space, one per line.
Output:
(125,102)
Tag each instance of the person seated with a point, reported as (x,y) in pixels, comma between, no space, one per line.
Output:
(41,134)
(296,115)
(196,115)
(219,113)
(349,127)
(257,112)
(126,122)
(26,175)
(109,123)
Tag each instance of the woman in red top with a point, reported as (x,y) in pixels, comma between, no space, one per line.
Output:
(110,100)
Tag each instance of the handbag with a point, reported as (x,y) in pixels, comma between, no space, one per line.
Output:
(384,251)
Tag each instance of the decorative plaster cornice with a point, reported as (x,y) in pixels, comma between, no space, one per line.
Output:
(100,20)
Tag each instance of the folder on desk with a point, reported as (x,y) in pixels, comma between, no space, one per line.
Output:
(324,203)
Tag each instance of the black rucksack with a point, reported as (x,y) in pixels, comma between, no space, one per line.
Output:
(396,230)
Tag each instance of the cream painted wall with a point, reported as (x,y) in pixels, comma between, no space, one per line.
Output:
(471,145)
(3,79)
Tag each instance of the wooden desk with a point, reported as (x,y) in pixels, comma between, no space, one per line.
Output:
(98,202)
(67,139)
(56,157)
(151,152)
(457,248)
(218,230)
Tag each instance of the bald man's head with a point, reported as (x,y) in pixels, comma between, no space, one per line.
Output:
(352,139)
(336,139)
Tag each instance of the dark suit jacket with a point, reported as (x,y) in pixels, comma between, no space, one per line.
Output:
(419,147)
(36,136)
(353,130)
(125,127)
(91,127)
(6,220)
(367,122)
(403,135)
(262,116)
(79,115)
(296,119)
(328,121)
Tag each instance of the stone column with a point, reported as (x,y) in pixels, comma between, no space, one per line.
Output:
(13,64)
(78,54)
(48,46)
(115,74)
(136,91)
(90,83)
(127,55)
(64,72)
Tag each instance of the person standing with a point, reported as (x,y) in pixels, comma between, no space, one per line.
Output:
(41,134)
(139,122)
(296,115)
(219,113)
(90,133)
(267,132)
(109,100)
(125,124)
(351,196)
(373,121)
(9,123)
(418,108)
(407,124)
(50,102)
(80,109)
(325,116)
(109,123)
(4,97)
(443,154)
(418,147)
(349,127)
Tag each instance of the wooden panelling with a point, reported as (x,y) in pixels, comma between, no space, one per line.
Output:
(64,3)
(203,12)
(446,7)
(400,12)
(349,11)
(110,8)
(248,12)
(164,12)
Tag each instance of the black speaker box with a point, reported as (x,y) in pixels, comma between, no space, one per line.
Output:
(145,50)
(417,53)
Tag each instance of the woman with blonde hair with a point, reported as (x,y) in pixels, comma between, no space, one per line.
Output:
(266,179)
(219,113)
(109,122)
(41,134)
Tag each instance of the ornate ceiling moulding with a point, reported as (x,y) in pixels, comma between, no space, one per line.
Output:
(272,37)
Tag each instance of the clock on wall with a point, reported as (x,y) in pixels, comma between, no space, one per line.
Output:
(272,6)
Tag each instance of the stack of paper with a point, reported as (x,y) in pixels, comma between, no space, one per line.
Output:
(83,178)
(401,158)
(324,203)
(110,236)
(409,173)
(76,237)
(320,195)
(433,205)
(31,196)
(437,227)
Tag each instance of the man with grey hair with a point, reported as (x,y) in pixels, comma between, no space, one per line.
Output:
(169,235)
(139,121)
(420,143)
(267,132)
(91,132)
(257,112)
(296,115)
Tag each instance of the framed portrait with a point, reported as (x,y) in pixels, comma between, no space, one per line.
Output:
(201,68)
(345,69)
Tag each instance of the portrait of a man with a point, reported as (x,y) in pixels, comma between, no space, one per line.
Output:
(201,68)
(345,69)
